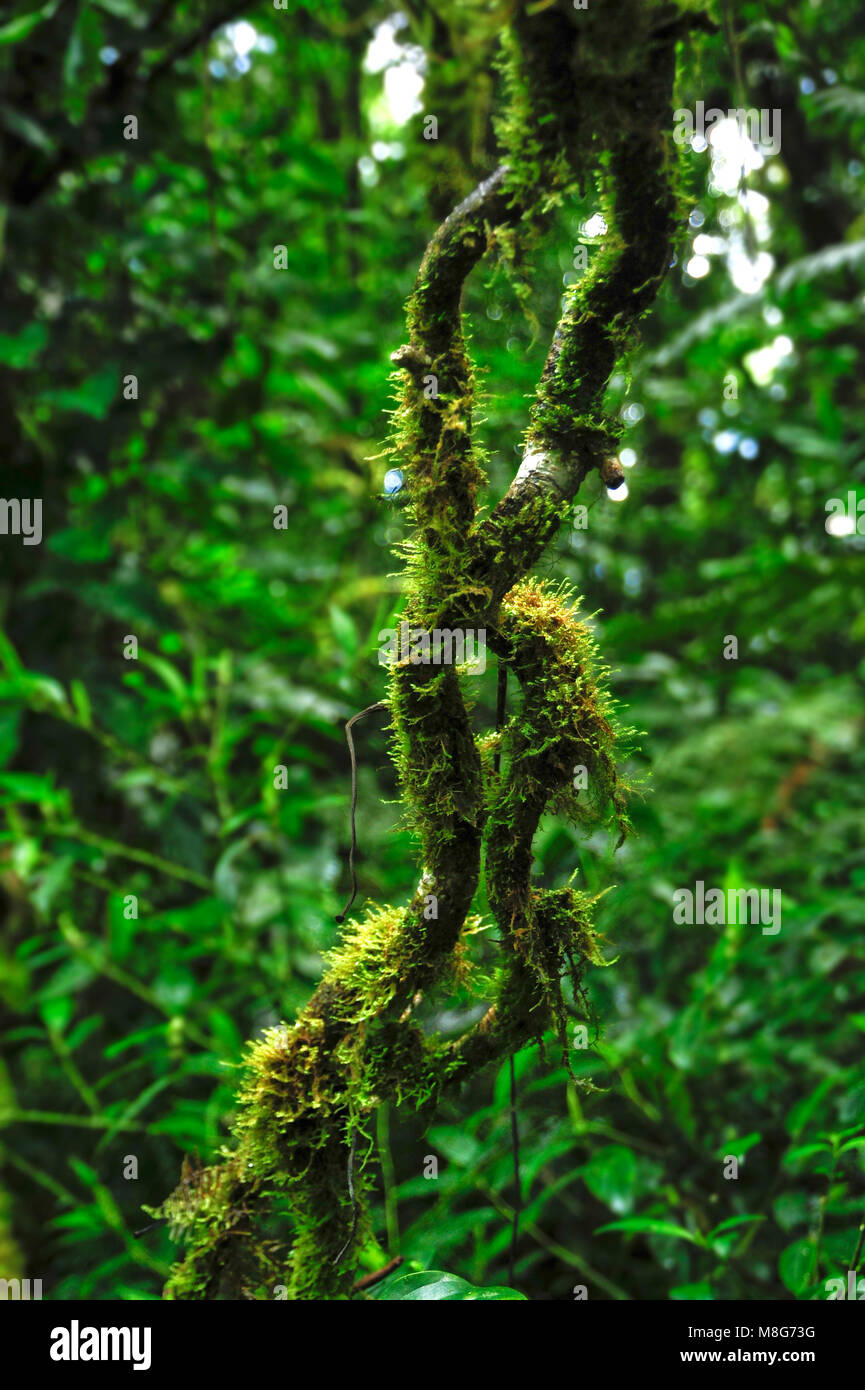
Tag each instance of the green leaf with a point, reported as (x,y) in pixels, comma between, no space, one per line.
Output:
(796,1265)
(804,1151)
(81,63)
(27,786)
(803,1110)
(42,690)
(649,1226)
(434,1286)
(24,24)
(128,1112)
(81,702)
(21,349)
(142,1035)
(611,1176)
(459,1148)
(56,1013)
(168,673)
(851,1107)
(739,1147)
(344,630)
(732,1223)
(93,397)
(124,9)
(83,1030)
(686,1292)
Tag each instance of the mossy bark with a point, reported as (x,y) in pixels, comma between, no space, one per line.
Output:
(589,94)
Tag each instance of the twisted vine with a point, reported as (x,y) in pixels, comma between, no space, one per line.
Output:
(588,95)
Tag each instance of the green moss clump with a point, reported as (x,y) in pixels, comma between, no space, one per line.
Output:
(565,722)
(567,713)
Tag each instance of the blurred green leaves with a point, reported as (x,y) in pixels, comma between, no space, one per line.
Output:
(162,899)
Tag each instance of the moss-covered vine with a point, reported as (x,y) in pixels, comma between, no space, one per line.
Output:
(588,97)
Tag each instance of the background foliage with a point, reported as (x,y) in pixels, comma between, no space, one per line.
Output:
(261,387)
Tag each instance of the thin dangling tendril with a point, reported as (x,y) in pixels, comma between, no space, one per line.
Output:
(380,704)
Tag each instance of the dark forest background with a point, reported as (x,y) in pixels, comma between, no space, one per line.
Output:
(259,387)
